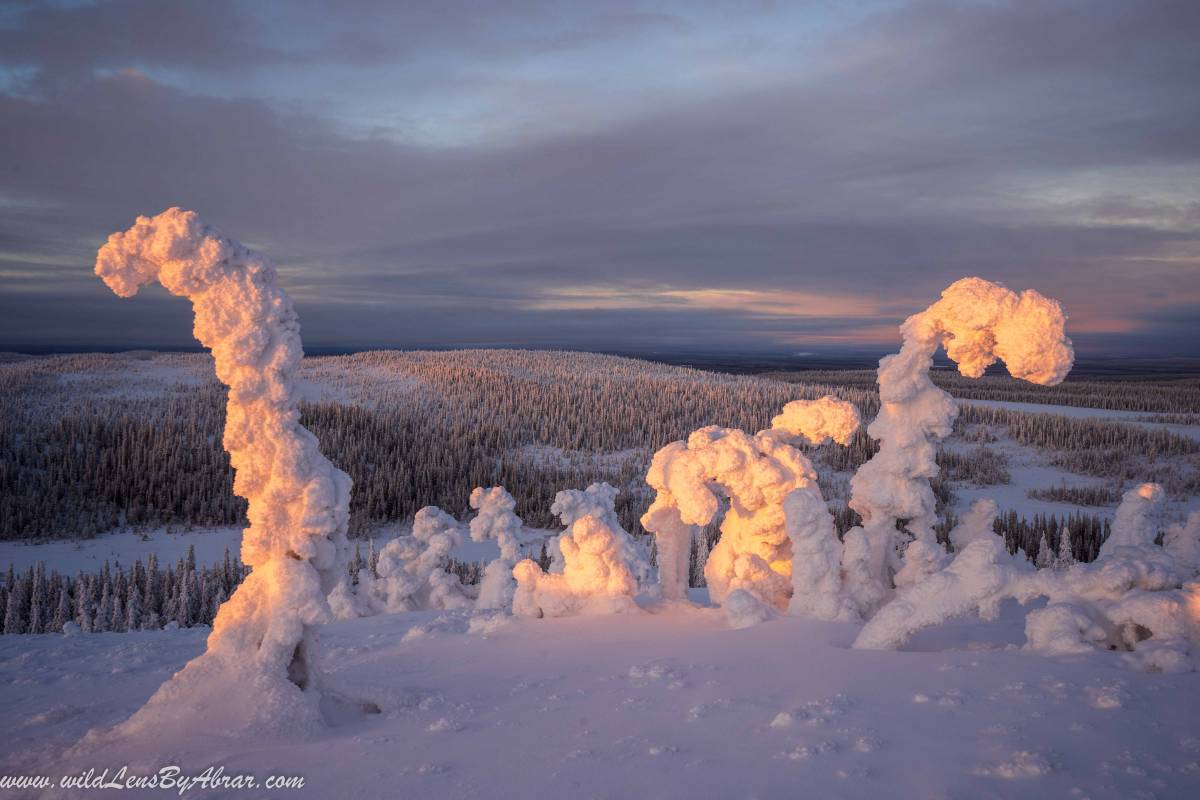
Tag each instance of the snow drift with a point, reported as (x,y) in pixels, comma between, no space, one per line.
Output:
(260,668)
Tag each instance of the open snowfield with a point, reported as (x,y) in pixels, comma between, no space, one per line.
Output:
(1077,412)
(69,556)
(666,704)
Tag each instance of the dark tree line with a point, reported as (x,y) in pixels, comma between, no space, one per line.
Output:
(1173,398)
(1096,495)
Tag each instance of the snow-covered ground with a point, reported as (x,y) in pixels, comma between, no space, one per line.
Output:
(69,556)
(1140,418)
(1030,469)
(667,704)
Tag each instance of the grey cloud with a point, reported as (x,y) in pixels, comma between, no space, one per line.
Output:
(900,170)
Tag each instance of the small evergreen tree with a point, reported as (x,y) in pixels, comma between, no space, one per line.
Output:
(62,610)
(1044,557)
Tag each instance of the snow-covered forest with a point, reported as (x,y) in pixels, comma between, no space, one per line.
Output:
(129,439)
(131,443)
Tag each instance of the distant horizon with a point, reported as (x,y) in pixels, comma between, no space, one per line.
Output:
(779,177)
(736,361)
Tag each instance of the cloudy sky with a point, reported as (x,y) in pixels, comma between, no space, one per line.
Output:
(783,177)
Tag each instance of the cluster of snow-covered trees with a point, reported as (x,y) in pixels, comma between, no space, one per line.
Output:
(1140,596)
(1094,495)
(902,567)
(593,566)
(417,429)
(1077,535)
(141,597)
(779,551)
(411,429)
(1046,540)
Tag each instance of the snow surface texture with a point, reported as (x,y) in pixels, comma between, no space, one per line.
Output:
(767,522)
(260,669)
(978,322)
(497,521)
(600,563)
(671,704)
(1137,597)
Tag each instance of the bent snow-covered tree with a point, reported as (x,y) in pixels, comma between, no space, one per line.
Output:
(766,523)
(265,634)
(978,322)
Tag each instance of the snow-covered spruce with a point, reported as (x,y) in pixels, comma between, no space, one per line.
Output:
(767,523)
(496,520)
(260,668)
(1137,597)
(977,322)
(410,573)
(141,597)
(601,564)
(1182,540)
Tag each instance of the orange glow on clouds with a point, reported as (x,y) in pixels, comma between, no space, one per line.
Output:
(773,303)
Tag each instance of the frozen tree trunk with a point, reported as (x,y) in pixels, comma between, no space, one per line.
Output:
(673,537)
(264,638)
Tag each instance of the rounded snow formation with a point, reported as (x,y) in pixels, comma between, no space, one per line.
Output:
(817,421)
(978,323)
(767,526)
(1137,597)
(411,573)
(600,561)
(496,520)
(259,668)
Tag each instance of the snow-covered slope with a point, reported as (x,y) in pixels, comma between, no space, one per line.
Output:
(69,556)
(669,704)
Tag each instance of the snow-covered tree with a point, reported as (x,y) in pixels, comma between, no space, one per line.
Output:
(62,609)
(601,564)
(978,322)
(760,531)
(1045,556)
(38,601)
(1182,540)
(264,638)
(497,521)
(411,571)
(14,617)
